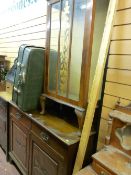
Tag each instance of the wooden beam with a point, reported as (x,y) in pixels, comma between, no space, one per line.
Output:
(96,86)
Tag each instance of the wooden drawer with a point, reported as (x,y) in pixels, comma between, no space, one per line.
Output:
(18,116)
(100,170)
(50,140)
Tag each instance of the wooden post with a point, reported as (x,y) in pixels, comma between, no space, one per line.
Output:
(95,90)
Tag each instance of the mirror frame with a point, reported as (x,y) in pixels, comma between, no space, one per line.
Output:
(86,57)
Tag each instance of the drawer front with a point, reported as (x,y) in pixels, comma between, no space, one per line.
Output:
(100,170)
(20,117)
(49,140)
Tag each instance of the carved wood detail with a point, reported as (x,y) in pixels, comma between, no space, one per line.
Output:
(80,117)
(42,103)
(107,139)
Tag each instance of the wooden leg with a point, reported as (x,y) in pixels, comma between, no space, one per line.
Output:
(107,139)
(80,118)
(42,103)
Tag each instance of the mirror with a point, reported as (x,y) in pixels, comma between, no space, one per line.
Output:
(124,136)
(68,50)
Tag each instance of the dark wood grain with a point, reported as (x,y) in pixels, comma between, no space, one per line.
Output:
(87,51)
(41,147)
(44,161)
(3,124)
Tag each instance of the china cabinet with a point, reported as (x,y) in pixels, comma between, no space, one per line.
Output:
(41,145)
(68,53)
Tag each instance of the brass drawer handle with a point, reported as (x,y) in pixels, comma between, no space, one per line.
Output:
(44,136)
(18,115)
(103,173)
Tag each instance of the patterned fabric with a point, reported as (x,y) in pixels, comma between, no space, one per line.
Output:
(64,55)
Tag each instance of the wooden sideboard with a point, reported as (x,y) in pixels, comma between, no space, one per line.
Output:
(39,145)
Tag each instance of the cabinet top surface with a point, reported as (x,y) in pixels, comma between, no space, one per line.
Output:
(6,96)
(58,127)
(114,160)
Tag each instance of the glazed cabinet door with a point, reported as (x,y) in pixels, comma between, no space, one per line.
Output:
(68,50)
(3,123)
(43,159)
(19,141)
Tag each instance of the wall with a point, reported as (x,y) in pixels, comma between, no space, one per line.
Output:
(25,23)
(22,22)
(118,78)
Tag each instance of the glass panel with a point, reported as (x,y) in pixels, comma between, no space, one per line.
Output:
(77,48)
(53,54)
(64,47)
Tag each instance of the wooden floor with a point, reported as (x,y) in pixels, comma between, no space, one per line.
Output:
(5,167)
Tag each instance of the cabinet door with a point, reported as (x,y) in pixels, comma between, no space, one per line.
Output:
(3,122)
(68,50)
(19,145)
(3,136)
(44,161)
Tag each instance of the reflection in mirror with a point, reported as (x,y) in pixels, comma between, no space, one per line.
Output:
(68,51)
(53,55)
(64,47)
(124,136)
(76,48)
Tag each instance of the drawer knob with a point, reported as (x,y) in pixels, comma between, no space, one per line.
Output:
(18,115)
(103,173)
(44,136)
